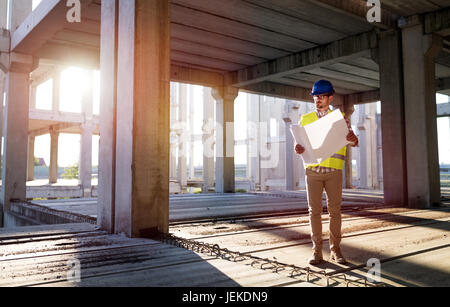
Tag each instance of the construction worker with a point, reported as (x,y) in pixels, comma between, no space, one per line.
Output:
(326,175)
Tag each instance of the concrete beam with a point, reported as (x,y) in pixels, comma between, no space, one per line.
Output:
(195,76)
(41,25)
(357,9)
(58,127)
(342,50)
(438,21)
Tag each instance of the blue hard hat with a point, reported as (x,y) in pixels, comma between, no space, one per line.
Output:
(322,87)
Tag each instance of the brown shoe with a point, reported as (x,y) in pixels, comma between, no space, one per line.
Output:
(336,256)
(316,258)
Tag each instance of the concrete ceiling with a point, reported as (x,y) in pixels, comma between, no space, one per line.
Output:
(226,36)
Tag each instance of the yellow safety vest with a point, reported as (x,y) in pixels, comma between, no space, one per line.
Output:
(337,161)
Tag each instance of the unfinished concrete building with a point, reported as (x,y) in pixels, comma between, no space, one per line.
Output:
(397,54)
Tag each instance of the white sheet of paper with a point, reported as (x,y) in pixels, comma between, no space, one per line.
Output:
(323,138)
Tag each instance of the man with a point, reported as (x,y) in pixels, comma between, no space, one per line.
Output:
(326,175)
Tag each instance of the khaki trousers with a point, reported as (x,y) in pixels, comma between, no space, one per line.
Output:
(315,184)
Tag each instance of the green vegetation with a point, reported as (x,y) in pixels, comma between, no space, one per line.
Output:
(71,172)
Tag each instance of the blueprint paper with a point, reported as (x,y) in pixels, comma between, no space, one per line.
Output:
(323,138)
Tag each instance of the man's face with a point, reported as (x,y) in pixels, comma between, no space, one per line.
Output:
(323,102)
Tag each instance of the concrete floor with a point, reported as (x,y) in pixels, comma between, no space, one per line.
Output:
(203,206)
(413,247)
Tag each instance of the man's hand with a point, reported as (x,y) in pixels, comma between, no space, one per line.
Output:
(299,149)
(351,137)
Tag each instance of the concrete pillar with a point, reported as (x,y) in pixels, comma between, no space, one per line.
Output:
(392,118)
(30,161)
(143,118)
(191,131)
(291,167)
(363,144)
(182,136)
(56,89)
(2,91)
(303,109)
(108,108)
(253,114)
(14,172)
(225,173)
(53,169)
(208,140)
(348,109)
(173,121)
(422,156)
(85,166)
(85,163)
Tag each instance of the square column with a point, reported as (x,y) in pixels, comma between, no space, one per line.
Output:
(392,119)
(254,140)
(182,136)
(30,161)
(14,172)
(85,169)
(143,118)
(53,169)
(291,167)
(108,108)
(225,173)
(422,157)
(208,140)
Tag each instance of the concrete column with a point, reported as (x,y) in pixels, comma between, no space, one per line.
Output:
(53,169)
(56,89)
(14,172)
(392,118)
(30,161)
(208,140)
(85,166)
(173,139)
(422,157)
(85,163)
(303,109)
(2,91)
(348,172)
(291,167)
(143,118)
(182,136)
(108,107)
(363,144)
(225,173)
(253,114)
(191,131)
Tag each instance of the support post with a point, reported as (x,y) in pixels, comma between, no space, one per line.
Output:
(53,169)
(143,118)
(14,172)
(107,125)
(225,172)
(422,157)
(208,140)
(30,161)
(392,118)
